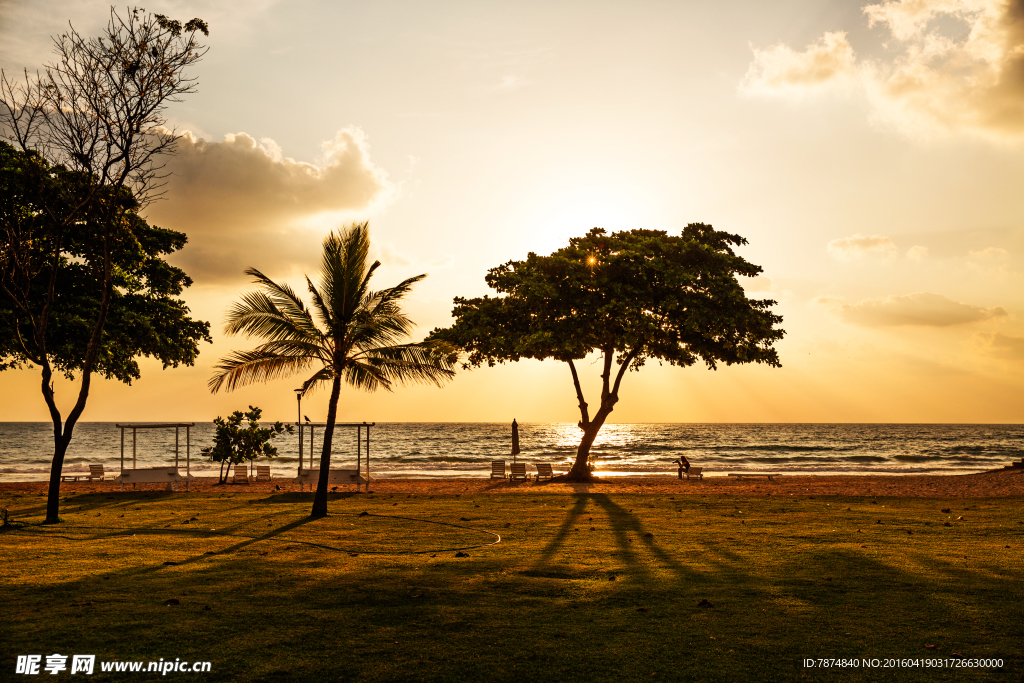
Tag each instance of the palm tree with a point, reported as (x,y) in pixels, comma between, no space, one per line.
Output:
(350,334)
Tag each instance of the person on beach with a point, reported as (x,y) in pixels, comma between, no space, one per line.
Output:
(684,465)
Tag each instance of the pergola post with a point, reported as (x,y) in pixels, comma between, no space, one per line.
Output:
(135,427)
(359,448)
(188,454)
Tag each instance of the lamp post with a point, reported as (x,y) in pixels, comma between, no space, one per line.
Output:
(298,421)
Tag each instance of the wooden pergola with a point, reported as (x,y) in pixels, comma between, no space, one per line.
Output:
(359,427)
(159,475)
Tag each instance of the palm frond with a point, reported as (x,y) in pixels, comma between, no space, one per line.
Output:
(365,376)
(285,298)
(344,273)
(321,377)
(259,365)
(256,315)
(324,311)
(422,362)
(362,333)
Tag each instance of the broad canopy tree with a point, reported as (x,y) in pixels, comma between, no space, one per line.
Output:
(629,296)
(53,287)
(89,132)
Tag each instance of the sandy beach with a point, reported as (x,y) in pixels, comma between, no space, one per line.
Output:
(995,484)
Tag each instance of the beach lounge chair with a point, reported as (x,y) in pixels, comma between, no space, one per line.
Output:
(544,470)
(497,469)
(241,475)
(518,471)
(695,473)
(96,473)
(262,472)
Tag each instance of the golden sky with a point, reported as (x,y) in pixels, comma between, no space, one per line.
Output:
(872,154)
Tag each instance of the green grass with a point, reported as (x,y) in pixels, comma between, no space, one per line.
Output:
(281,597)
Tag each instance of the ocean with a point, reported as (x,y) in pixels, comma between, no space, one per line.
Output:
(426,450)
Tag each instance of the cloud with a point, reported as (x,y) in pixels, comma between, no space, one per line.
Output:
(244,203)
(917,253)
(989,254)
(780,68)
(1003,345)
(953,65)
(921,308)
(858,246)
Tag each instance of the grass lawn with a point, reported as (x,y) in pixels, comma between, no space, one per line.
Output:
(582,587)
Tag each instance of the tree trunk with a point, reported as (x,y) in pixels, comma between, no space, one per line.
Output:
(62,437)
(60,449)
(580,469)
(320,499)
(609,397)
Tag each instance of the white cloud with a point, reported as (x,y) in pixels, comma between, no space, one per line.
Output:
(859,246)
(917,253)
(921,309)
(244,203)
(780,68)
(937,77)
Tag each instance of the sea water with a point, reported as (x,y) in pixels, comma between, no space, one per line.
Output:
(427,450)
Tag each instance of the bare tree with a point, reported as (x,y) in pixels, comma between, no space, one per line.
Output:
(99,106)
(95,114)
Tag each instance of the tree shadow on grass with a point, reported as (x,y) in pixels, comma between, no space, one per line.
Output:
(95,502)
(636,547)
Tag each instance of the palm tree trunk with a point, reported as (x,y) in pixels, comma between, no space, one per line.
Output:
(320,499)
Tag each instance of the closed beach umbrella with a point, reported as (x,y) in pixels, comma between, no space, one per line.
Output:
(515,440)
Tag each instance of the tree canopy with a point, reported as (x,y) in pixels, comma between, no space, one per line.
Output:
(60,281)
(630,296)
(91,131)
(145,317)
(233,443)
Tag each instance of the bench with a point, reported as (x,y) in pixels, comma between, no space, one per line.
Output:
(497,469)
(544,470)
(262,472)
(767,475)
(312,477)
(518,471)
(695,473)
(241,475)
(95,472)
(153,475)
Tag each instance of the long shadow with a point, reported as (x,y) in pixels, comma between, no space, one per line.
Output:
(266,536)
(555,543)
(196,532)
(303,497)
(625,522)
(624,525)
